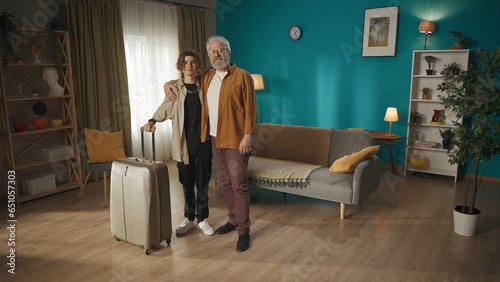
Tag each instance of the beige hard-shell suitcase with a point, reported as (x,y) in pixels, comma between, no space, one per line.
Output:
(140,202)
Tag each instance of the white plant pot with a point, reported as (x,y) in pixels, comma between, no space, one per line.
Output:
(465,224)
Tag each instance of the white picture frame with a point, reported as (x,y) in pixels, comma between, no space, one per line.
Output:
(380,32)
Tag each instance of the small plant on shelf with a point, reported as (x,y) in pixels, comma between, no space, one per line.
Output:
(39,109)
(430,60)
(452,68)
(448,135)
(426,91)
(463,41)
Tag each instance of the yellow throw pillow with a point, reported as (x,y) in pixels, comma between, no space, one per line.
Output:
(350,162)
(103,146)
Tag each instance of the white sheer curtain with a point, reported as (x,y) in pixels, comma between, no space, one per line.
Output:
(151,50)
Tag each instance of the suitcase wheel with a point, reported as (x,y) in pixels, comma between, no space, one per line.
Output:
(147,251)
(167,241)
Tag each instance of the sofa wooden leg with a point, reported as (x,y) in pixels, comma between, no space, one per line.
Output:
(342,210)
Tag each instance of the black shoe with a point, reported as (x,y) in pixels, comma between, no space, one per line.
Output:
(243,242)
(226,228)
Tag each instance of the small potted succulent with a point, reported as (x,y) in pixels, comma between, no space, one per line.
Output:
(430,60)
(448,135)
(426,91)
(40,122)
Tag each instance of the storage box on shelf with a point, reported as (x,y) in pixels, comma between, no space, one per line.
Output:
(54,149)
(436,156)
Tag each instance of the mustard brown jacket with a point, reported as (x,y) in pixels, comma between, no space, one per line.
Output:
(237,107)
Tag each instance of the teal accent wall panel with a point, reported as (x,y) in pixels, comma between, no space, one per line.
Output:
(322,79)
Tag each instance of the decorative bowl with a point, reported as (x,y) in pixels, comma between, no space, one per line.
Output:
(57,122)
(20,127)
(418,162)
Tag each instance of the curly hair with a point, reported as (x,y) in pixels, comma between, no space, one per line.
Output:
(186,53)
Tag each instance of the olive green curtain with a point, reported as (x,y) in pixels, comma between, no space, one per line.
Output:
(192,30)
(99,67)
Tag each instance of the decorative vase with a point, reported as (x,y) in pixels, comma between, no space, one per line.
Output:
(37,60)
(464,223)
(39,123)
(435,117)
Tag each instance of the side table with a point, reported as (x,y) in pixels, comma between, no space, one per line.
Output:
(387,139)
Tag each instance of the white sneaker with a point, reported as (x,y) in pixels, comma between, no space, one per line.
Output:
(205,227)
(185,226)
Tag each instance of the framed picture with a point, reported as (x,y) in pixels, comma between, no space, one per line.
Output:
(380,32)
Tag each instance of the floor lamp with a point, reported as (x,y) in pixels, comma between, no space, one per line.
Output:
(426,27)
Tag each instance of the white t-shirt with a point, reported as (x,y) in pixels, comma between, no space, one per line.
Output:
(213,101)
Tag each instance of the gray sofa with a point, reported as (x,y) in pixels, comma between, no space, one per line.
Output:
(296,160)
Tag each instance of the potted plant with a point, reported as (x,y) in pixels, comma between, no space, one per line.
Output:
(426,91)
(7,29)
(473,96)
(463,41)
(430,60)
(39,109)
(414,126)
(53,42)
(453,68)
(448,135)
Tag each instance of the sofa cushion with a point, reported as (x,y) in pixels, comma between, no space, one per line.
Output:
(350,162)
(281,142)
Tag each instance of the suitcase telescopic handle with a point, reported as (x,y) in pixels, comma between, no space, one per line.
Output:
(152,142)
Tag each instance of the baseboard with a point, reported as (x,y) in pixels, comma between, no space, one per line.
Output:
(487,179)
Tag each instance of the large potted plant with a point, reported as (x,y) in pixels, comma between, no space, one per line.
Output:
(474,95)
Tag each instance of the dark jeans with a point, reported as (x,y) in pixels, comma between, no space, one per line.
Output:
(232,176)
(198,171)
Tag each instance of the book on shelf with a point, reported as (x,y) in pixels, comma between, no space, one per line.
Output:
(427,144)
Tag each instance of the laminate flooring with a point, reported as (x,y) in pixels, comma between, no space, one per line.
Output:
(402,232)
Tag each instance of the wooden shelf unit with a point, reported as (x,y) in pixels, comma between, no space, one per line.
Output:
(21,151)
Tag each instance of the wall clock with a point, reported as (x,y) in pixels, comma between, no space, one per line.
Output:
(295,32)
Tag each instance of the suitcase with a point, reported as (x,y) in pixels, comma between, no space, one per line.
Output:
(140,201)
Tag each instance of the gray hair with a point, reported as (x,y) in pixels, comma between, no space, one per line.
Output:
(220,39)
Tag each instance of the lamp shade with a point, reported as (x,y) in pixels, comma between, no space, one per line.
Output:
(391,114)
(426,27)
(258,82)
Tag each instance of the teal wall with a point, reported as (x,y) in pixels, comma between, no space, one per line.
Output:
(322,80)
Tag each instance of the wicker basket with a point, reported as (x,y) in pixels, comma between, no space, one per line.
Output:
(40,183)
(58,153)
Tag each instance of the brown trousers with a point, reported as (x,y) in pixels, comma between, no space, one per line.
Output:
(231,167)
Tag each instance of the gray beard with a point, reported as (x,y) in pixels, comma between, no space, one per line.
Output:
(220,63)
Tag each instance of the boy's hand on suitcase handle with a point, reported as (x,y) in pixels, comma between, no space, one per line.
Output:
(149,127)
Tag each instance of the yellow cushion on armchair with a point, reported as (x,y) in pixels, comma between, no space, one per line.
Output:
(103,146)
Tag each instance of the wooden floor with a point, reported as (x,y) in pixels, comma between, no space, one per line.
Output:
(402,232)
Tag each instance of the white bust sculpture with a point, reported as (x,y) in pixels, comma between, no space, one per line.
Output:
(50,76)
